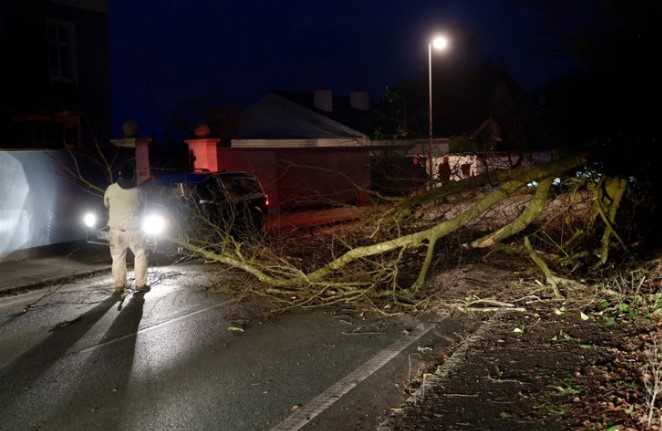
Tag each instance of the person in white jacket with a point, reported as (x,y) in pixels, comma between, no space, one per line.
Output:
(126,204)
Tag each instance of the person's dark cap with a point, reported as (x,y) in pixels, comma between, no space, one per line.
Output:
(126,172)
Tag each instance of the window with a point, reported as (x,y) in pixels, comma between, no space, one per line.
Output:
(50,131)
(241,186)
(61,51)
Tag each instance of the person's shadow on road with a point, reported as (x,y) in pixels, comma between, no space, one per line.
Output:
(111,362)
(62,338)
(111,356)
(30,382)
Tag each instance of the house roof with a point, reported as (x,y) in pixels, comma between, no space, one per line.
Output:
(294,115)
(361,120)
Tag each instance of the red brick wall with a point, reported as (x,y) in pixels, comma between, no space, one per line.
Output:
(304,177)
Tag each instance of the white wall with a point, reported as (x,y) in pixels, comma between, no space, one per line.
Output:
(495,161)
(39,204)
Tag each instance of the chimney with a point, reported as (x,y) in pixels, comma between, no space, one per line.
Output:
(324,100)
(359,100)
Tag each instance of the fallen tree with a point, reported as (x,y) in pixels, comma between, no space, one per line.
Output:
(391,253)
(562,214)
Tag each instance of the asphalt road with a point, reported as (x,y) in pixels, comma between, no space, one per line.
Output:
(76,357)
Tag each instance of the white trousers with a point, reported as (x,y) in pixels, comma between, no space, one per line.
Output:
(120,242)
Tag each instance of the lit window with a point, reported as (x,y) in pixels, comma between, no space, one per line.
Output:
(61,51)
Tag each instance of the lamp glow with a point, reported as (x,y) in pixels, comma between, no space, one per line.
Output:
(440,42)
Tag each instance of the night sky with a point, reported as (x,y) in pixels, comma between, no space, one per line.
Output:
(164,52)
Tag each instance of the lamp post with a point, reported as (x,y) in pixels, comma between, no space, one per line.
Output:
(440,43)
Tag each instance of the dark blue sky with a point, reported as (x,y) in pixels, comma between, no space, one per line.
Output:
(167,51)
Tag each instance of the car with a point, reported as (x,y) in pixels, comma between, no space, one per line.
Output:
(182,202)
(231,199)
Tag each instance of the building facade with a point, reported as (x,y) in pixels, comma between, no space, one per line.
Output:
(55,103)
(54,74)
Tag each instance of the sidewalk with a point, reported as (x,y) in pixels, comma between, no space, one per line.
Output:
(61,262)
(52,265)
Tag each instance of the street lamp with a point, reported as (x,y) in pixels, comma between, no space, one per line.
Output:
(439,43)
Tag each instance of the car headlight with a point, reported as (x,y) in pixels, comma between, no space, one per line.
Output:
(90,219)
(154,224)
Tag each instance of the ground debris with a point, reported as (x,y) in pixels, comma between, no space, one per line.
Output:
(64,323)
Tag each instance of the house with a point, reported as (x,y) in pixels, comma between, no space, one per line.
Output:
(54,98)
(309,149)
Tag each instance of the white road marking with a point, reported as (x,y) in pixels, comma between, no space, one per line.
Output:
(324,400)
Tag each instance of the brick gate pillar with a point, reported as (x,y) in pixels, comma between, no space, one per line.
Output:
(141,145)
(205,153)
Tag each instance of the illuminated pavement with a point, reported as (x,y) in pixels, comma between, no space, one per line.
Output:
(82,360)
